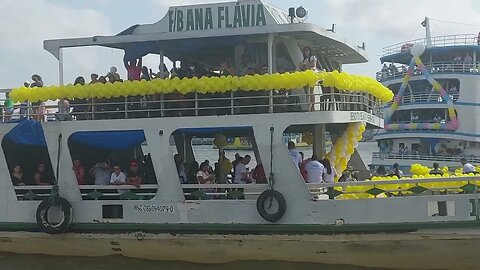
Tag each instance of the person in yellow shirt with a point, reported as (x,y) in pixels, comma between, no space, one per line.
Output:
(225,166)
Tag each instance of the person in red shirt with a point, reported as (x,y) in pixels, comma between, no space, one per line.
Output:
(79,171)
(134,68)
(259,174)
(303,163)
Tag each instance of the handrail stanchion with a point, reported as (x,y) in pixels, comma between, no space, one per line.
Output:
(126,107)
(477,211)
(270,101)
(232,110)
(162,105)
(93,109)
(196,103)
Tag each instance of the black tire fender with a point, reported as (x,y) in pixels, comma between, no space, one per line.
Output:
(265,199)
(42,215)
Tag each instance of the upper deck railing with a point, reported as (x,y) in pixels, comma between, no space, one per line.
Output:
(433,67)
(433,97)
(438,41)
(176,105)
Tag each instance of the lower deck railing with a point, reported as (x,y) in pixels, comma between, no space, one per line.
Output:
(324,191)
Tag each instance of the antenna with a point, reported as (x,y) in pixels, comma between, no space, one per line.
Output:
(333,29)
(428,32)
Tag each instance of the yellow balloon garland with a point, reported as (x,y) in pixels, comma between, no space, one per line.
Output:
(205,85)
(344,147)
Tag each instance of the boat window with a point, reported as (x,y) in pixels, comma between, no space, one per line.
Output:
(218,156)
(27,157)
(98,155)
(422,116)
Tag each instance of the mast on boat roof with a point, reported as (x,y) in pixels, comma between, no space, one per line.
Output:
(426,24)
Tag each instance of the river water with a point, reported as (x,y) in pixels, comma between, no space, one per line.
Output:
(202,152)
(37,262)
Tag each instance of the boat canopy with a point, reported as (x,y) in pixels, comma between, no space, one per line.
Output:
(187,30)
(27,132)
(111,140)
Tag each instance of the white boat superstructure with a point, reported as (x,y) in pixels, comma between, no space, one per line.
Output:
(452,61)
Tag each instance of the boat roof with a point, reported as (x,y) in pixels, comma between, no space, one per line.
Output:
(443,48)
(189,29)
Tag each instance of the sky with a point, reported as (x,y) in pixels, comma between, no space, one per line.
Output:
(378,23)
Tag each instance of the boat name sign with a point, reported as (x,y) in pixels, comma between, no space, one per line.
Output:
(154,208)
(227,15)
(363,116)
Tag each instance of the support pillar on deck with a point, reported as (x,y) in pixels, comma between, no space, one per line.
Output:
(319,132)
(271,37)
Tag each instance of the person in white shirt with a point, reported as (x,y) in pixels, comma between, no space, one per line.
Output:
(457,60)
(468,59)
(309,60)
(118,177)
(297,158)
(467,167)
(242,175)
(330,172)
(315,171)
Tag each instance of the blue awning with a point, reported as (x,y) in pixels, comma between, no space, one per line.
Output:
(111,140)
(28,132)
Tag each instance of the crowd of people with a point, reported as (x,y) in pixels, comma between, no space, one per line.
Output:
(41,176)
(102,173)
(314,169)
(149,106)
(458,63)
(224,171)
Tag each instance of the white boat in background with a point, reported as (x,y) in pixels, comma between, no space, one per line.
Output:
(444,58)
(285,219)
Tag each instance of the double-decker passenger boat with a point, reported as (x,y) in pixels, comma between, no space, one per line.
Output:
(52,210)
(453,61)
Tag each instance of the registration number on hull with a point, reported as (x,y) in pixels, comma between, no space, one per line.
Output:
(154,208)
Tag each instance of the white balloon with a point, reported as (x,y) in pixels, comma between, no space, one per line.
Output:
(417,49)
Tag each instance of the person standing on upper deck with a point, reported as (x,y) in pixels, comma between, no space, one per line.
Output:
(309,60)
(226,69)
(297,158)
(38,109)
(457,61)
(134,68)
(467,167)
(467,61)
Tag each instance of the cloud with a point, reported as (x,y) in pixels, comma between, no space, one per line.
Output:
(381,23)
(399,19)
(27,23)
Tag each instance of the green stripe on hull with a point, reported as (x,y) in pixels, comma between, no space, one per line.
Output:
(248,228)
